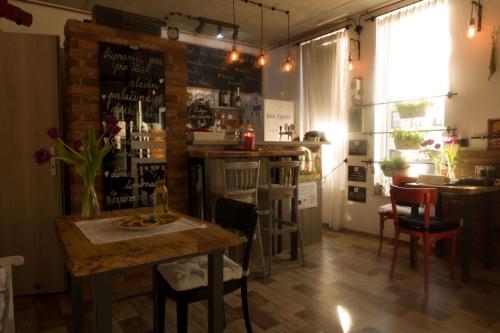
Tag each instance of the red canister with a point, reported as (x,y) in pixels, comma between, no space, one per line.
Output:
(249,140)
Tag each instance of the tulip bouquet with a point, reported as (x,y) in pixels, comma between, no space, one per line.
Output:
(451,148)
(433,152)
(85,158)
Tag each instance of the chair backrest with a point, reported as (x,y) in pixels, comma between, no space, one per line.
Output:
(241,180)
(401,180)
(413,196)
(238,216)
(6,292)
(284,173)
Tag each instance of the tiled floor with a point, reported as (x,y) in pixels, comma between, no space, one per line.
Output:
(343,271)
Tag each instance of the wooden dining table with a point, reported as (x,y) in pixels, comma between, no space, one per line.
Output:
(100,261)
(470,197)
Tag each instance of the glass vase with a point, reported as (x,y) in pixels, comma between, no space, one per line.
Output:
(90,202)
(451,173)
(437,170)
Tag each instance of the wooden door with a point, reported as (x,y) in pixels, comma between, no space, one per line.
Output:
(30,195)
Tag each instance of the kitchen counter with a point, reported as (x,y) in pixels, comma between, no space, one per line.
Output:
(243,153)
(261,143)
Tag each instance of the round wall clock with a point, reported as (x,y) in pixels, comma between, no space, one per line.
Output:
(173,33)
(200,115)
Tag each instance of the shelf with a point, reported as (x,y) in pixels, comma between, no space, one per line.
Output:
(228,108)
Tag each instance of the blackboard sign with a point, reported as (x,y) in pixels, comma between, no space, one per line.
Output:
(357,194)
(356,173)
(200,115)
(207,68)
(358,147)
(132,89)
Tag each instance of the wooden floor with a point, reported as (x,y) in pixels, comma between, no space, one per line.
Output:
(343,271)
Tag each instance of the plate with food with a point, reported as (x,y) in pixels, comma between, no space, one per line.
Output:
(143,222)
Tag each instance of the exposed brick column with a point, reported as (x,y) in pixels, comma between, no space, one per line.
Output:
(82,98)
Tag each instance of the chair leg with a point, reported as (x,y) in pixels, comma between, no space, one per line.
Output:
(452,258)
(427,255)
(395,252)
(159,302)
(182,317)
(244,303)
(381,242)
(261,247)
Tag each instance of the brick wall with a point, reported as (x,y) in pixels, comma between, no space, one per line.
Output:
(82,99)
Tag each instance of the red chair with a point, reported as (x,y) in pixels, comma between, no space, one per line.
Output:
(425,227)
(385,211)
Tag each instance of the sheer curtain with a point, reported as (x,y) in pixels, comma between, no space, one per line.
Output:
(323,76)
(412,61)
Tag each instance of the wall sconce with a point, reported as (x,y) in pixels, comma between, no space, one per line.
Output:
(478,7)
(354,51)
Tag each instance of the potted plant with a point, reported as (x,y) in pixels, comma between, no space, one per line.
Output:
(407,140)
(412,110)
(396,166)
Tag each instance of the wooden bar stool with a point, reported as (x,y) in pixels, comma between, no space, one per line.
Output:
(385,211)
(282,186)
(425,227)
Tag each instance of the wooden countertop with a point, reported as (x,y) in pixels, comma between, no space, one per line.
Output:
(261,143)
(84,258)
(243,153)
(458,189)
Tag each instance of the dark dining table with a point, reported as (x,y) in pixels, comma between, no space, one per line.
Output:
(470,196)
(100,261)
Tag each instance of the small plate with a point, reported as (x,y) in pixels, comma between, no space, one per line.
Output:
(142,222)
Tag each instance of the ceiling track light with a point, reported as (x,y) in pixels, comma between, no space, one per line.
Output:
(475,25)
(219,35)
(200,27)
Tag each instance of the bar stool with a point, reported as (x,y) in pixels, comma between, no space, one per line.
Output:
(385,211)
(282,186)
(240,180)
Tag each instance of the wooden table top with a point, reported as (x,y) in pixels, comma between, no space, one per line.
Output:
(84,258)
(458,189)
(244,153)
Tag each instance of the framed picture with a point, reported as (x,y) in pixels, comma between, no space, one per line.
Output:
(494,133)
(355,120)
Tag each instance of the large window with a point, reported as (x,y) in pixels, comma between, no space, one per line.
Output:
(412,70)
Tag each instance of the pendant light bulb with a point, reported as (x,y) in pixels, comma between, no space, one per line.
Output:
(471,31)
(234,55)
(262,60)
(287,66)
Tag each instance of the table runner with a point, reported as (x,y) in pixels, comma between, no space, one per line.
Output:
(102,231)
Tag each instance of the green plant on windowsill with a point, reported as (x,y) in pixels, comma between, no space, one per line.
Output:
(394,166)
(407,140)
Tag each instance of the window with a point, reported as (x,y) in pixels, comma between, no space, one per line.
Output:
(411,71)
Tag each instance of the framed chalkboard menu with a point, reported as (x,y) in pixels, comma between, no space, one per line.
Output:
(207,68)
(132,89)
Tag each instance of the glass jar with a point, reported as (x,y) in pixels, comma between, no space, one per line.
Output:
(249,140)
(160,199)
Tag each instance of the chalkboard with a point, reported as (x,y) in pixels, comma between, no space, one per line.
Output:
(356,173)
(200,115)
(132,89)
(207,68)
(356,193)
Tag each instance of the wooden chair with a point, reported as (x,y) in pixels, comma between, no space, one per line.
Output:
(425,227)
(185,281)
(282,186)
(6,292)
(385,211)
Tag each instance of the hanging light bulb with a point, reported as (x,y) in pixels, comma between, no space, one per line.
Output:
(233,56)
(262,58)
(287,65)
(471,31)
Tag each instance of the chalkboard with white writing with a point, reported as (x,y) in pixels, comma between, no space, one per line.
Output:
(207,68)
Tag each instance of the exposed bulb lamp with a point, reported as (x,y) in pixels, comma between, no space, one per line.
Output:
(262,58)
(234,55)
(475,26)
(287,65)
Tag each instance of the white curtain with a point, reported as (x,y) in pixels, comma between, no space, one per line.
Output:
(323,76)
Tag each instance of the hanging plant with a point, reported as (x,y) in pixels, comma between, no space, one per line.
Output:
(493,56)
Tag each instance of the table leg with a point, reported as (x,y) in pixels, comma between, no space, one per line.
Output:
(466,246)
(489,229)
(215,293)
(76,304)
(294,235)
(102,303)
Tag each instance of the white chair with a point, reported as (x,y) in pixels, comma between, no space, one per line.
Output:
(6,293)
(240,182)
(282,186)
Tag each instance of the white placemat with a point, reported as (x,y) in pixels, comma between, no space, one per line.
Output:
(102,231)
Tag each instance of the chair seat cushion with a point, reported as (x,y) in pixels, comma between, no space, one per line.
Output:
(402,210)
(191,273)
(417,223)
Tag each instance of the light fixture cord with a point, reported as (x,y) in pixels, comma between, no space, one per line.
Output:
(234,23)
(288,39)
(261,26)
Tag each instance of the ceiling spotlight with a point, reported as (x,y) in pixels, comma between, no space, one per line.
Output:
(235,34)
(219,35)
(200,27)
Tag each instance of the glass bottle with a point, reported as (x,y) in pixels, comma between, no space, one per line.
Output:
(160,199)
(237,99)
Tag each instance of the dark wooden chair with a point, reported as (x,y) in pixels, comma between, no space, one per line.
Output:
(185,281)
(385,211)
(425,227)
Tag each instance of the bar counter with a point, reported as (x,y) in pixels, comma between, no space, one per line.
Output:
(244,153)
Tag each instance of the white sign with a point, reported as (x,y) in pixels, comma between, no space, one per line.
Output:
(277,113)
(308,195)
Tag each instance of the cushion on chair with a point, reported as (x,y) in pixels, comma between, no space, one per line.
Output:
(417,223)
(191,273)
(402,210)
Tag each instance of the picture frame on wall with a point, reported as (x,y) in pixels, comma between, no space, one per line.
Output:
(494,134)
